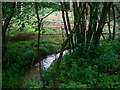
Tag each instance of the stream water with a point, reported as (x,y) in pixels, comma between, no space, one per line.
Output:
(46,62)
(33,74)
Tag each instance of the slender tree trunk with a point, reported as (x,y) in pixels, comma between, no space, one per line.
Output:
(90,30)
(98,33)
(103,37)
(83,26)
(75,9)
(78,17)
(61,53)
(64,20)
(114,25)
(38,50)
(4,28)
(78,9)
(108,23)
(68,23)
(59,60)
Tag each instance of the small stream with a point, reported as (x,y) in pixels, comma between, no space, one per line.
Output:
(33,74)
(46,62)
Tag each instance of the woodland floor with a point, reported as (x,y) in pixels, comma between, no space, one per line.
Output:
(55,23)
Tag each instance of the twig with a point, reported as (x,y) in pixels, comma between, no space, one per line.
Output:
(50,13)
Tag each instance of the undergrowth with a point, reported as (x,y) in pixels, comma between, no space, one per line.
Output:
(98,67)
(21,55)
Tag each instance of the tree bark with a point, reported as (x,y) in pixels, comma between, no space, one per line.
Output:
(68,23)
(59,60)
(4,28)
(64,21)
(61,53)
(75,11)
(114,25)
(38,50)
(98,33)
(90,30)
(83,26)
(108,23)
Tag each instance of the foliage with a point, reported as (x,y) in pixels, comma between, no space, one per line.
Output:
(24,15)
(49,4)
(16,29)
(19,57)
(73,84)
(90,72)
(53,31)
(84,68)
(32,84)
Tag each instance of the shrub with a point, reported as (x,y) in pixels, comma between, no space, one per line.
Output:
(88,71)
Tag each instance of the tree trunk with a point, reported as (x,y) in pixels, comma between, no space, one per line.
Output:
(4,29)
(90,30)
(61,53)
(64,21)
(75,11)
(114,25)
(68,23)
(98,33)
(83,26)
(108,23)
(38,50)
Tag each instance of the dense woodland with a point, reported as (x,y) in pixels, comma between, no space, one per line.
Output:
(83,38)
